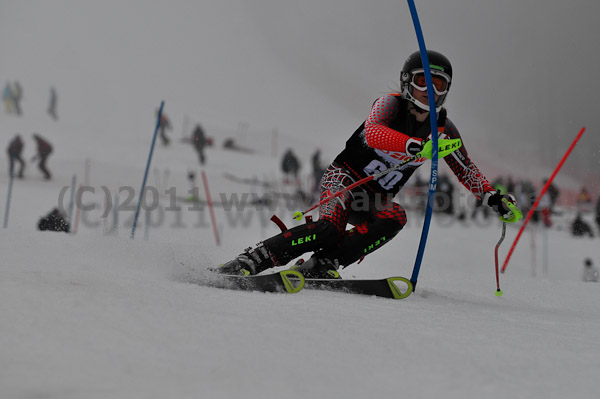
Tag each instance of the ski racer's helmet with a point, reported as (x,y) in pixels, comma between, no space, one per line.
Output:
(412,78)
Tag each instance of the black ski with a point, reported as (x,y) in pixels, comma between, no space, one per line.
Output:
(386,287)
(286,281)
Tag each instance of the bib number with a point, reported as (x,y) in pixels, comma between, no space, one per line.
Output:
(387,181)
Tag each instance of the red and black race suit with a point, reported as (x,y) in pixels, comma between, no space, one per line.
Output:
(378,144)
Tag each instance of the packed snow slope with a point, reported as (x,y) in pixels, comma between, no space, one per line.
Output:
(98,315)
(103,316)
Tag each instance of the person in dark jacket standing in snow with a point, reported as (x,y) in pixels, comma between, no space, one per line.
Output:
(164,125)
(15,149)
(396,130)
(199,142)
(44,149)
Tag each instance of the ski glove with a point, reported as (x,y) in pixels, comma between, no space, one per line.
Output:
(413,146)
(504,204)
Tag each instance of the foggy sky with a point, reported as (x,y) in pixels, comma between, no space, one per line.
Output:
(521,89)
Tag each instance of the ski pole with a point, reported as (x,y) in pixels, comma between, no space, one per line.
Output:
(445,147)
(498,290)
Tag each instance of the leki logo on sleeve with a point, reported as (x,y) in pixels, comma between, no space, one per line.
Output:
(304,240)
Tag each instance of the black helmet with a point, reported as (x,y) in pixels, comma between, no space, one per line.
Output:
(441,72)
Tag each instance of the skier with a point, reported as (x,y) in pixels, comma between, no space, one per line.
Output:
(15,148)
(396,129)
(44,149)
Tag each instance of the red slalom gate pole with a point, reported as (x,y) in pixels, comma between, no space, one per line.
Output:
(211,209)
(537,201)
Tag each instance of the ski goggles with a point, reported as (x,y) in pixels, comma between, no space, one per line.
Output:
(441,82)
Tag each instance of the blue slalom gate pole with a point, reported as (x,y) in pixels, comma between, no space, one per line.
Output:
(434,139)
(137,211)
(10,184)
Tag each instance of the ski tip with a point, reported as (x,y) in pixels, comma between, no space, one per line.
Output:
(292,280)
(396,291)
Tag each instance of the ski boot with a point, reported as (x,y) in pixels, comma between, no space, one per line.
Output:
(252,261)
(317,267)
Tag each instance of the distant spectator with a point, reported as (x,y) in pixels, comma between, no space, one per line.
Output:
(317,170)
(499,185)
(15,149)
(421,187)
(54,221)
(199,142)
(52,104)
(598,212)
(526,196)
(8,98)
(480,208)
(165,124)
(444,198)
(554,193)
(590,273)
(510,185)
(584,201)
(290,165)
(44,149)
(545,208)
(580,227)
(17,97)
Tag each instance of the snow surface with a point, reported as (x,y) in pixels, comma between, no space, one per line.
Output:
(98,315)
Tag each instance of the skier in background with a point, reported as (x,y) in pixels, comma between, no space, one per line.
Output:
(164,125)
(44,149)
(15,149)
(396,129)
(199,142)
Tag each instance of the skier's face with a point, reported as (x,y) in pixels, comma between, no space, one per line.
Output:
(421,96)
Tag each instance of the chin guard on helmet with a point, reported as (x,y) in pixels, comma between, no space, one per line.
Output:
(440,67)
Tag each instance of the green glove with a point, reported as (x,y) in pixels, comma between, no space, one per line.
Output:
(445,147)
